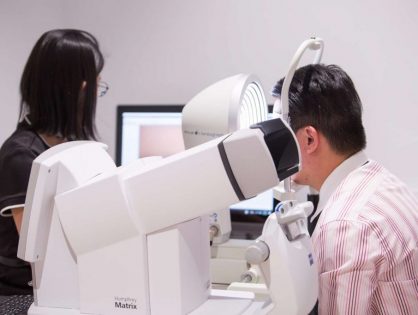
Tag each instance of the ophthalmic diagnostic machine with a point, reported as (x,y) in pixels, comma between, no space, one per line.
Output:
(134,239)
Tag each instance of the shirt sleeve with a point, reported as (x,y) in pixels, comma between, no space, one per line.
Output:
(348,254)
(15,168)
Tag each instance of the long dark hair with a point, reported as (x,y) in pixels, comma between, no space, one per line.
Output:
(59,84)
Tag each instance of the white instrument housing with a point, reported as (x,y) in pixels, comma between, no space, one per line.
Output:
(134,239)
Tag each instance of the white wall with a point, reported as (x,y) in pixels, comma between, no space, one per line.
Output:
(164,52)
(21,23)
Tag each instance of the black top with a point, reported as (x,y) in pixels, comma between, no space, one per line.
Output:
(16,157)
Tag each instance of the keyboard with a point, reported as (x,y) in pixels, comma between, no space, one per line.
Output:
(15,304)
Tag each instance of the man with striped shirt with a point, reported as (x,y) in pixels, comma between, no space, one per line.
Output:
(366,234)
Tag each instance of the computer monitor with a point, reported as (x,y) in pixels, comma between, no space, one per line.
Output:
(155,130)
(147,130)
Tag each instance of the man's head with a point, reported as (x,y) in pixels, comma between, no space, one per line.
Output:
(325,113)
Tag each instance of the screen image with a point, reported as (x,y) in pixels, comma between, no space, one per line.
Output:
(143,133)
(155,130)
(160,140)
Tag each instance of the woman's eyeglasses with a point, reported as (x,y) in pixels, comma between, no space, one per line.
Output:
(102,88)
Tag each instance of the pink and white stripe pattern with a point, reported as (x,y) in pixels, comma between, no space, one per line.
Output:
(366,243)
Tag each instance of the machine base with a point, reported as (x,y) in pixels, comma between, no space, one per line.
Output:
(39,310)
(220,302)
(230,303)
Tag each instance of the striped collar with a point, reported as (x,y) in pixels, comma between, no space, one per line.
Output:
(336,177)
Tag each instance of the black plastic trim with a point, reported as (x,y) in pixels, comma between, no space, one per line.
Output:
(229,172)
(282,146)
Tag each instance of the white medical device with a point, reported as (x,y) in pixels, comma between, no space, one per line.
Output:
(281,106)
(286,229)
(234,103)
(101,241)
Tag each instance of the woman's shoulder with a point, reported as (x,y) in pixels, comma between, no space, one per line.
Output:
(22,141)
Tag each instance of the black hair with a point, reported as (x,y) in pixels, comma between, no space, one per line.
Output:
(59,84)
(324,96)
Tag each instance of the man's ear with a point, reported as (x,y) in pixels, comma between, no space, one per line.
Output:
(310,138)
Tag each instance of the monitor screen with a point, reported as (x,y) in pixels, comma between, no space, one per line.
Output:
(155,130)
(149,130)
